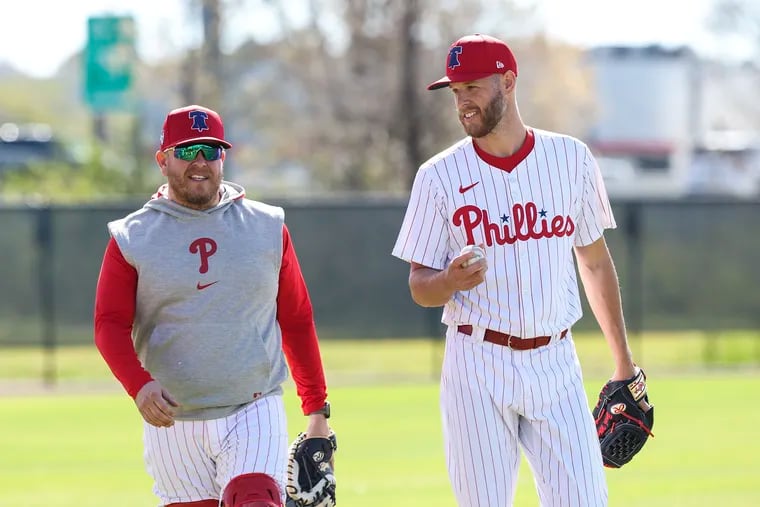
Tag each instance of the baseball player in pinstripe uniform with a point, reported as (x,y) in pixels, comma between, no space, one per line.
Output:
(510,379)
(199,303)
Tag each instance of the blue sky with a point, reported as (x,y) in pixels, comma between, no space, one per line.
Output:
(38,44)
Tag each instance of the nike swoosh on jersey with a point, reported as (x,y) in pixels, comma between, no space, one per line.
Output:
(462,189)
(201,286)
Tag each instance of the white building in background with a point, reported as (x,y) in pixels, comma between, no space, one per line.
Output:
(670,124)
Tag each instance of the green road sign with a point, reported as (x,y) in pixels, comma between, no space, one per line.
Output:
(109,62)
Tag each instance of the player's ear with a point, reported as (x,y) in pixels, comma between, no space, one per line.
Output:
(161,161)
(508,81)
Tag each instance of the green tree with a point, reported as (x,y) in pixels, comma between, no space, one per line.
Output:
(55,182)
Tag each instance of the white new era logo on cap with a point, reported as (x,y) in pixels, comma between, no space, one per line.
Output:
(499,65)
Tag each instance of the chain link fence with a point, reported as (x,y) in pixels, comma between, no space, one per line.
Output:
(683,265)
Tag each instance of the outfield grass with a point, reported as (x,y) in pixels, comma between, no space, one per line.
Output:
(79,444)
(351,362)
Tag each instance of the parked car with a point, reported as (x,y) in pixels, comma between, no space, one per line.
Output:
(25,145)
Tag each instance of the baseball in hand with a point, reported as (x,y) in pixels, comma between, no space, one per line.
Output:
(479,254)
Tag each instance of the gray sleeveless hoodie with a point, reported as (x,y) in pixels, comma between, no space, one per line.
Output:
(205,321)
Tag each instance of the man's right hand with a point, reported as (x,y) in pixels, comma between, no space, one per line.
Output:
(156,404)
(460,277)
(432,287)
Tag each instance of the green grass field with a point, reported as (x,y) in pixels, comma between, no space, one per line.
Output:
(79,443)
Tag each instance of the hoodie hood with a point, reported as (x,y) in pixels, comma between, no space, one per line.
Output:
(160,201)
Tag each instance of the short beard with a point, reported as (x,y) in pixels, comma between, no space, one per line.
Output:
(200,201)
(491,117)
(195,200)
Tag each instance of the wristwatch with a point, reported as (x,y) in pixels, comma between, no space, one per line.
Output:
(325,410)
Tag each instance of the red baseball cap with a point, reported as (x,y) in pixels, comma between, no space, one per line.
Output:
(192,124)
(474,57)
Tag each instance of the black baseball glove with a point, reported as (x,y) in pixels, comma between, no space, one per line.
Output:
(311,478)
(622,425)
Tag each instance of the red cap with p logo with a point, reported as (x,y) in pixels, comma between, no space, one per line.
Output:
(474,57)
(192,124)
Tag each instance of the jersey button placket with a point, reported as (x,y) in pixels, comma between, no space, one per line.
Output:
(524,260)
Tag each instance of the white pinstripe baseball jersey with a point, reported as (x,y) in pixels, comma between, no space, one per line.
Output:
(528,209)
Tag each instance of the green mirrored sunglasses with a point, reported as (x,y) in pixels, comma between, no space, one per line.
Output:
(188,153)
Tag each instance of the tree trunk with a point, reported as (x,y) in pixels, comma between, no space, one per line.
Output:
(211,55)
(409,105)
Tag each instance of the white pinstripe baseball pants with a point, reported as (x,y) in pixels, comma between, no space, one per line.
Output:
(496,401)
(194,460)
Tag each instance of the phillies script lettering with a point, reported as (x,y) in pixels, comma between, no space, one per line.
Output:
(526,225)
(205,247)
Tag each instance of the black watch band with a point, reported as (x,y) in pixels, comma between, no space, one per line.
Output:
(325,410)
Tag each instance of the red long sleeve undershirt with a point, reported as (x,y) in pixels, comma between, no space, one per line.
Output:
(115,311)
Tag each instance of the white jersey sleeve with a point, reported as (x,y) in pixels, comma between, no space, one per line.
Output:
(423,231)
(596,212)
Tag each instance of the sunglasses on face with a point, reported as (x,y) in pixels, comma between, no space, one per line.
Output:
(188,153)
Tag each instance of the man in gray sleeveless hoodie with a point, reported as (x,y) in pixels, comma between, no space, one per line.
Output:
(199,304)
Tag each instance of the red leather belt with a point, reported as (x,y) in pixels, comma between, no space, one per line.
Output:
(513,342)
